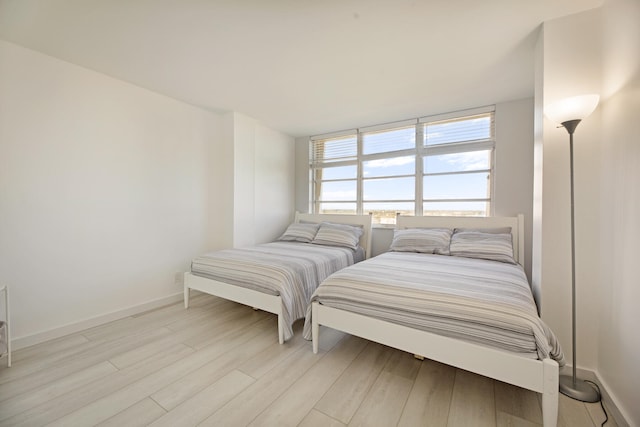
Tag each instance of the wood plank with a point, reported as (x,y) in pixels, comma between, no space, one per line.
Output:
(517,401)
(189,385)
(272,356)
(247,405)
(295,403)
(428,402)
(49,347)
(403,364)
(214,314)
(23,402)
(34,374)
(347,393)
(108,406)
(472,402)
(572,413)
(508,420)
(209,400)
(241,318)
(318,419)
(597,416)
(229,323)
(83,396)
(384,403)
(140,414)
(329,338)
(147,320)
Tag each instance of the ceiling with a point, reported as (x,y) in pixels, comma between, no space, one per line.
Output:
(302,67)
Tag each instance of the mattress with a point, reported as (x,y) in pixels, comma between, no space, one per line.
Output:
(291,270)
(484,302)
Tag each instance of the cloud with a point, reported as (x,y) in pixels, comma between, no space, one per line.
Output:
(473,160)
(387,163)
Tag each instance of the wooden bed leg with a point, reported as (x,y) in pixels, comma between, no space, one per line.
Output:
(186,296)
(315,327)
(550,393)
(280,329)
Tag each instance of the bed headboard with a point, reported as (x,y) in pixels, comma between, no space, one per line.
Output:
(516,223)
(363,220)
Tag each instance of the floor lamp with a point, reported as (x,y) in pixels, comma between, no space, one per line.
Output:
(569,112)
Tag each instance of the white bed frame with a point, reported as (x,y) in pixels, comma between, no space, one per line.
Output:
(540,376)
(260,300)
(5,290)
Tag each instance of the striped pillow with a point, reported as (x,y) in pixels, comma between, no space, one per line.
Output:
(475,244)
(423,240)
(298,232)
(331,234)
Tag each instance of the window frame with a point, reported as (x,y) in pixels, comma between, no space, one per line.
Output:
(420,152)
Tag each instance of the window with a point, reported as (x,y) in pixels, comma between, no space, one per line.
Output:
(430,166)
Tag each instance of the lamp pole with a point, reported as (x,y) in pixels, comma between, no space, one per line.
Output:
(572,386)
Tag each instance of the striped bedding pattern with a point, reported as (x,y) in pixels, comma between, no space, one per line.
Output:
(292,270)
(423,240)
(483,302)
(472,244)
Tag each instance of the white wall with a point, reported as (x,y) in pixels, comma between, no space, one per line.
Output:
(302,184)
(274,183)
(221,195)
(538,163)
(264,170)
(513,184)
(619,317)
(103,191)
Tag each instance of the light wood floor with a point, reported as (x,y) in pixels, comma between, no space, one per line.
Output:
(219,364)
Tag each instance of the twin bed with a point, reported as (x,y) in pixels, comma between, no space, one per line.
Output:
(444,300)
(280,277)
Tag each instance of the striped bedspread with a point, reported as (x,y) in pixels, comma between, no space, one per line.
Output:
(484,302)
(290,269)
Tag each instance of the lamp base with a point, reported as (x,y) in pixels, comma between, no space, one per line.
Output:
(578,390)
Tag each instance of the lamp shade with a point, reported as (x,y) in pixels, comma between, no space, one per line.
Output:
(574,108)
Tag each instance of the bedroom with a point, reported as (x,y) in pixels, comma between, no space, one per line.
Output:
(79,185)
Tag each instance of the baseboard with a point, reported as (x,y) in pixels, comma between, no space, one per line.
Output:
(609,399)
(29,340)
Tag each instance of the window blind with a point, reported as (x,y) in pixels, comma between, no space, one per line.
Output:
(336,149)
(472,128)
(389,140)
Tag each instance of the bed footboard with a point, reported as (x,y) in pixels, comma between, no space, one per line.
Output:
(265,302)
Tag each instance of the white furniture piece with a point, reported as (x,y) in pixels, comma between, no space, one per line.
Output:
(541,376)
(5,333)
(263,301)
